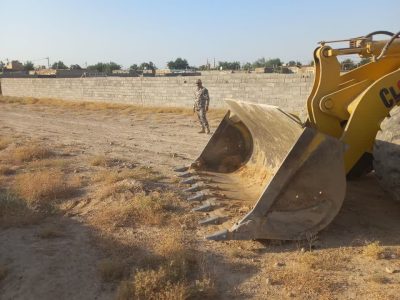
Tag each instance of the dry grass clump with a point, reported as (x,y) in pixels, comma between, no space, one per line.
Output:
(54,163)
(162,284)
(307,284)
(373,250)
(139,173)
(14,211)
(143,173)
(141,208)
(3,272)
(111,269)
(4,142)
(328,260)
(152,285)
(41,187)
(99,161)
(30,153)
(101,106)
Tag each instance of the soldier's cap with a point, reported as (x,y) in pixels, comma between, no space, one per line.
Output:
(198,81)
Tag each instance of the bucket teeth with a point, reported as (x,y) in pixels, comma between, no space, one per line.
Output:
(185,174)
(199,196)
(218,236)
(191,180)
(210,220)
(195,187)
(207,206)
(181,169)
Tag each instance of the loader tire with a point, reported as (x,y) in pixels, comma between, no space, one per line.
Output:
(387,154)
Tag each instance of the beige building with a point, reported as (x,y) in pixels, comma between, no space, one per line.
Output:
(14,65)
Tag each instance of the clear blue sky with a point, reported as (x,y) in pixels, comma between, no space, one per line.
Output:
(133,31)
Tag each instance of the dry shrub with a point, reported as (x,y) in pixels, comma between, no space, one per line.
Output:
(107,176)
(15,212)
(41,187)
(30,153)
(111,269)
(4,142)
(179,258)
(307,284)
(101,106)
(144,173)
(142,208)
(49,163)
(139,173)
(171,245)
(373,250)
(99,161)
(329,260)
(3,272)
(152,208)
(126,187)
(152,285)
(116,214)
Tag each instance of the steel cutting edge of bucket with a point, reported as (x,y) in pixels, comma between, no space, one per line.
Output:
(206,206)
(292,177)
(185,174)
(195,187)
(191,180)
(181,169)
(199,196)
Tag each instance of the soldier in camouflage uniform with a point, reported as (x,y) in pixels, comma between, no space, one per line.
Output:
(201,102)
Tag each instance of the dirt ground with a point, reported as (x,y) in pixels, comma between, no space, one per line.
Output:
(355,257)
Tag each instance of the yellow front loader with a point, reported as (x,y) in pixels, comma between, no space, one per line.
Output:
(266,175)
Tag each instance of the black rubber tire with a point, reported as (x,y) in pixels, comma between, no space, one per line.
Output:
(387,154)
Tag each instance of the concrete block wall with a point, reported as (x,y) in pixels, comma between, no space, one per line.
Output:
(288,91)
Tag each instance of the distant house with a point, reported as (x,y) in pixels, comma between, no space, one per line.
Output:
(294,69)
(14,66)
(264,70)
(306,70)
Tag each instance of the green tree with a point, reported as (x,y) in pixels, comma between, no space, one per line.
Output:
(178,64)
(204,67)
(273,62)
(75,67)
(2,65)
(293,63)
(147,66)
(28,66)
(59,65)
(348,65)
(247,66)
(263,63)
(259,63)
(134,67)
(105,67)
(226,65)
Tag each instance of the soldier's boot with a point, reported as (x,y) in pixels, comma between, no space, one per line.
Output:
(208,130)
(202,130)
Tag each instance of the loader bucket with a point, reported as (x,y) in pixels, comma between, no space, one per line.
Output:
(263,176)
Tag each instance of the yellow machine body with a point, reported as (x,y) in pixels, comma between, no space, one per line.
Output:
(265,175)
